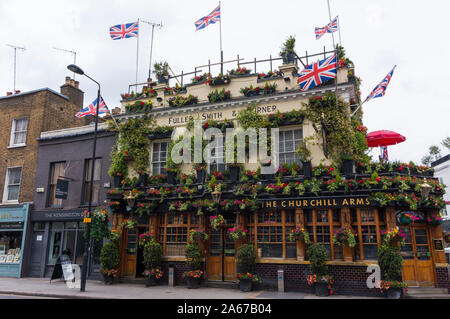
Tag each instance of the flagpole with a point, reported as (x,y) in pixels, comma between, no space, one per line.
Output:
(220,30)
(335,50)
(137,54)
(339,26)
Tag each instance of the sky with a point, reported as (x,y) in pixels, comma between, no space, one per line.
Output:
(377,34)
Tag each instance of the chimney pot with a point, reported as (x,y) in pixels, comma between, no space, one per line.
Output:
(8,93)
(17,92)
(77,84)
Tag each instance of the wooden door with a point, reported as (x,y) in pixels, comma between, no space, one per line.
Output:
(418,265)
(130,256)
(221,259)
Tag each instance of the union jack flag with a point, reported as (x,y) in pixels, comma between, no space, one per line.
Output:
(384,153)
(124,31)
(213,17)
(380,89)
(92,109)
(333,26)
(316,74)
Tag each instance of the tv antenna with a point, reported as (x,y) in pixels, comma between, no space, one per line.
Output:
(151,44)
(71,52)
(15,57)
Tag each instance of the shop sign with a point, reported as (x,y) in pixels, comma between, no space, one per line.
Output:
(62,189)
(438,244)
(87,220)
(56,215)
(11,225)
(318,202)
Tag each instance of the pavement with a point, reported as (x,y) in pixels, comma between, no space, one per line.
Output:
(42,288)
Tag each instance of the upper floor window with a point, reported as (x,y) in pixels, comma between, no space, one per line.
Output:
(56,170)
(12,184)
(18,132)
(92,182)
(217,156)
(289,142)
(159,157)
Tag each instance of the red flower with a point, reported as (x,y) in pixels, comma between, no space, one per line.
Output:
(206,125)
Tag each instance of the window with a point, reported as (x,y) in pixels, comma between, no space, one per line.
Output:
(217,157)
(18,132)
(289,142)
(271,230)
(321,225)
(367,223)
(89,182)
(10,244)
(12,184)
(159,156)
(56,170)
(174,231)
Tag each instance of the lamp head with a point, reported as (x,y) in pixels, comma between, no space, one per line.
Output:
(75,68)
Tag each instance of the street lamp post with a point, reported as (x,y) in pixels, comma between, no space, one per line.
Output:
(87,249)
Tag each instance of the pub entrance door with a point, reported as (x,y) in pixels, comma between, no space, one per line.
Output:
(132,259)
(418,267)
(221,258)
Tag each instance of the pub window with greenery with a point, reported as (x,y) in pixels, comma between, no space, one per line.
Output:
(367,223)
(174,231)
(56,170)
(89,182)
(321,224)
(270,231)
(159,157)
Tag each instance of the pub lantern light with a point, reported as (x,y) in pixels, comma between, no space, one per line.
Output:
(216,196)
(425,189)
(131,199)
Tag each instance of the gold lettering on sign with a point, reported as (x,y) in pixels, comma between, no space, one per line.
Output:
(352,201)
(360,201)
(313,204)
(283,204)
(367,202)
(345,202)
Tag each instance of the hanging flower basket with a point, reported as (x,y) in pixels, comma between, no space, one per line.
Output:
(407,219)
(198,235)
(344,237)
(237,233)
(216,221)
(129,223)
(435,220)
(300,234)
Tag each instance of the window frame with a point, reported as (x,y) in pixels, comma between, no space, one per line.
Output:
(6,186)
(151,155)
(84,202)
(14,132)
(290,129)
(358,225)
(49,195)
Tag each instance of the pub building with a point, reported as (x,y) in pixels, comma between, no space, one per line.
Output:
(271,214)
(63,181)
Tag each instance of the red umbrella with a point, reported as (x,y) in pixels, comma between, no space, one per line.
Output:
(384,138)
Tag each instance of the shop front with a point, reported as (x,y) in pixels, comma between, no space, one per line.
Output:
(57,233)
(13,224)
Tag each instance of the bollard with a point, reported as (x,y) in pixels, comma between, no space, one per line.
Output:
(280,280)
(171,274)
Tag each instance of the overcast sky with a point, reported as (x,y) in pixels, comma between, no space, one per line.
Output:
(377,34)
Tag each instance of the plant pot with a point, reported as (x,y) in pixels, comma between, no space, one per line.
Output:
(245,285)
(268,176)
(348,167)
(163,79)
(234,174)
(143,180)
(150,281)
(108,280)
(394,293)
(201,175)
(116,181)
(288,58)
(171,177)
(321,289)
(307,169)
(193,283)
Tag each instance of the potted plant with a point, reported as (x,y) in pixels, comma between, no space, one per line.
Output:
(348,165)
(194,274)
(393,237)
(216,221)
(287,50)
(344,237)
(109,260)
(435,220)
(390,262)
(128,223)
(152,261)
(321,281)
(407,218)
(304,154)
(246,264)
(201,172)
(171,174)
(233,170)
(300,234)
(161,70)
(237,233)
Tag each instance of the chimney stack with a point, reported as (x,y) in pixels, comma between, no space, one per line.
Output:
(72,91)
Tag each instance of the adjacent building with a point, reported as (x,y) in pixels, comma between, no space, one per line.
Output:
(24,116)
(442,171)
(56,224)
